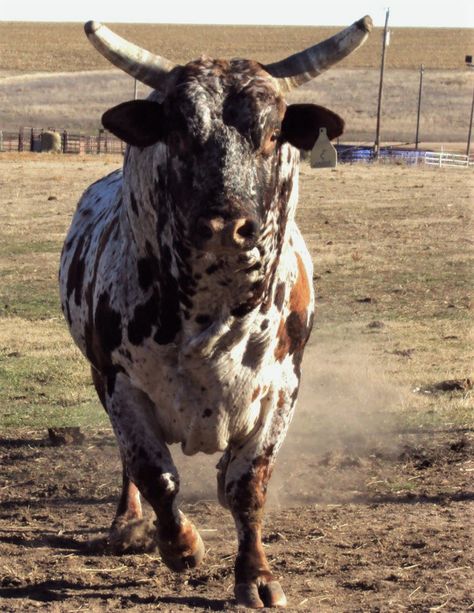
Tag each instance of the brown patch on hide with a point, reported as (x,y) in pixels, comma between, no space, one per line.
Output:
(300,292)
(255,394)
(283,345)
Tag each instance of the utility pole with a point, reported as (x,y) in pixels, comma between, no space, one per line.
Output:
(382,68)
(470,65)
(468,148)
(422,69)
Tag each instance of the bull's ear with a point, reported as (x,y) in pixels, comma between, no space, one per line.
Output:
(138,122)
(302,122)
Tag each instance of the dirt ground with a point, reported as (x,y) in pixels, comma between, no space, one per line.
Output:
(370,506)
(364,543)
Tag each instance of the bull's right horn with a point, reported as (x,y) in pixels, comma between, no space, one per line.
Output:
(304,66)
(137,62)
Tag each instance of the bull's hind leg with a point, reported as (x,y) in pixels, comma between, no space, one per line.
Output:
(243,476)
(150,467)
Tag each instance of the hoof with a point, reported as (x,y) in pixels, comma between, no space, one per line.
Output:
(256,595)
(135,536)
(187,551)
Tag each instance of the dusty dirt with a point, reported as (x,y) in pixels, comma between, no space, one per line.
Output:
(387,529)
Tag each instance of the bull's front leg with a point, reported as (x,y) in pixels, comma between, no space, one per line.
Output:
(123,536)
(243,477)
(148,464)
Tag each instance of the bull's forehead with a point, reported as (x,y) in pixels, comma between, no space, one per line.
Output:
(224,76)
(238,92)
(217,82)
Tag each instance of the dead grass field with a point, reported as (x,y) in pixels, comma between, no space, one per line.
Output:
(63,47)
(371,501)
(77,100)
(50,76)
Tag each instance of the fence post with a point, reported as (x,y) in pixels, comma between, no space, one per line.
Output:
(20,139)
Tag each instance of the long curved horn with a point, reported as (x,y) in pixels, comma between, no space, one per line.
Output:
(304,66)
(137,62)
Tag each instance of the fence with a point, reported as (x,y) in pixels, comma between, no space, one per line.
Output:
(434,158)
(29,139)
(355,153)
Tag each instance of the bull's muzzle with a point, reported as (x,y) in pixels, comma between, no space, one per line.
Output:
(218,233)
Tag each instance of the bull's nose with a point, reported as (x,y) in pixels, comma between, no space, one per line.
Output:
(238,233)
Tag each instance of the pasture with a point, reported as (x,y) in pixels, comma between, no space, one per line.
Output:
(371,502)
(51,77)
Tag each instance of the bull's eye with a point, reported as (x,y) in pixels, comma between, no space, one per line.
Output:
(275,135)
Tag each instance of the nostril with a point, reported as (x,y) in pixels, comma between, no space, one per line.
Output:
(207,228)
(248,229)
(204,229)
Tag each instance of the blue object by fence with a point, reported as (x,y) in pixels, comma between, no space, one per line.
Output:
(360,153)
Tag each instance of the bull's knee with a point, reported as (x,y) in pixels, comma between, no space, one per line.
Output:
(158,484)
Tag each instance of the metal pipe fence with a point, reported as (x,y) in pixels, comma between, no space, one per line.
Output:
(30,139)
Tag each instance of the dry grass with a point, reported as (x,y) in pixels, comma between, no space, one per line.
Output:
(46,78)
(77,101)
(56,47)
(391,244)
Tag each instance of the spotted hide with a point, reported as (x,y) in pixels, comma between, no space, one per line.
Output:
(186,283)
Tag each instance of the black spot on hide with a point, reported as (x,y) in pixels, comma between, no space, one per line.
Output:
(144,317)
(254,351)
(75,277)
(108,324)
(297,332)
(147,268)
(169,310)
(279,296)
(203,319)
(133,202)
(242,309)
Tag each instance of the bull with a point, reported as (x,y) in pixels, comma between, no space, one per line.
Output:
(187,284)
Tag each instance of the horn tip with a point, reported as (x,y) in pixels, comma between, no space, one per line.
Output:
(91,27)
(365,24)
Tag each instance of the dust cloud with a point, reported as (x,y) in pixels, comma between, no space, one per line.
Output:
(344,411)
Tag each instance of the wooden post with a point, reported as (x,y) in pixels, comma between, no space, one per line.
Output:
(468,148)
(379,105)
(422,68)
(20,140)
(64,143)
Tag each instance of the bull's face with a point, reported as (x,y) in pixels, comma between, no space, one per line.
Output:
(225,126)
(224,137)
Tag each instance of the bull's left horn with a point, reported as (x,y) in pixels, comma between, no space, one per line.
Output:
(137,62)
(304,66)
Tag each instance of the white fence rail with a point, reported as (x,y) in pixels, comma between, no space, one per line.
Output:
(453,160)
